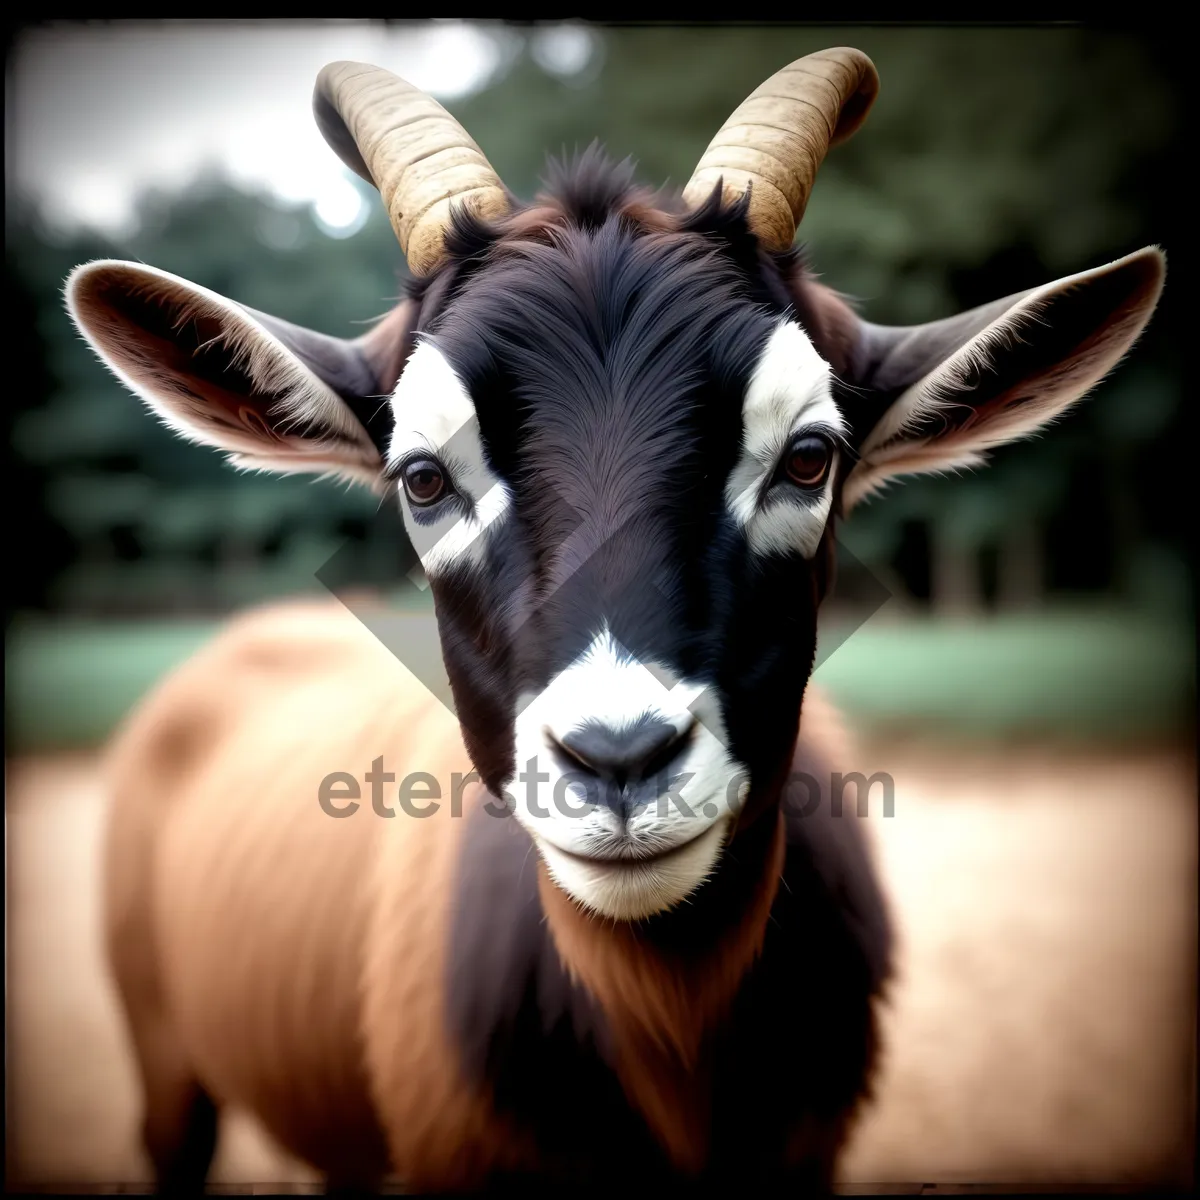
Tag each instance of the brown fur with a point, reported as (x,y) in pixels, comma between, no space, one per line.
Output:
(294,964)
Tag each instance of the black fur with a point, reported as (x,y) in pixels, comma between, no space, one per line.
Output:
(607,362)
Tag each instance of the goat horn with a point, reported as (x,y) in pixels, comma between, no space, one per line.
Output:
(779,135)
(406,144)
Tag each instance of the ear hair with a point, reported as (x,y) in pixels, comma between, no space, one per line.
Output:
(1001,372)
(258,401)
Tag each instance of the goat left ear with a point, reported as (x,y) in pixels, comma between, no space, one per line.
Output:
(935,397)
(272,395)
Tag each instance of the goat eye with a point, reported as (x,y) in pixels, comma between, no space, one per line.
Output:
(424,481)
(808,460)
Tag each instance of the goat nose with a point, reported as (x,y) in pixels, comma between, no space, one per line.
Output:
(638,751)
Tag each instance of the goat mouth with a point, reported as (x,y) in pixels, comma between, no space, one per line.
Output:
(628,857)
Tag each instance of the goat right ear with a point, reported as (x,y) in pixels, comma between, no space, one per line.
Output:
(936,397)
(273,395)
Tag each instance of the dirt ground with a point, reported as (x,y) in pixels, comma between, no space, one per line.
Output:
(1042,1028)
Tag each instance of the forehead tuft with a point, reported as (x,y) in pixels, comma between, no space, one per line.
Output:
(611,317)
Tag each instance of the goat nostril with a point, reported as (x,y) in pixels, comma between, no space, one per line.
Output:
(668,750)
(563,750)
(638,751)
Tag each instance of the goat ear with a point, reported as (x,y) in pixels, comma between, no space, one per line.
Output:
(935,397)
(272,395)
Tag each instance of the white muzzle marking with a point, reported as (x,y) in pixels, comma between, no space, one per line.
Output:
(670,842)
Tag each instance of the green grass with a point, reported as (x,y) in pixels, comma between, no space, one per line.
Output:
(1081,674)
(68,684)
(1074,674)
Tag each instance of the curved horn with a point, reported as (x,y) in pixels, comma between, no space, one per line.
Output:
(407,145)
(778,137)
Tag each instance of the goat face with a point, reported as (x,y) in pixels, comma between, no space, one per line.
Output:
(616,451)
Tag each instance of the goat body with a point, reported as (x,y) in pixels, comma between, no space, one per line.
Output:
(619,434)
(412,995)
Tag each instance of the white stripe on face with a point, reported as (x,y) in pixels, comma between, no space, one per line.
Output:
(433,413)
(590,853)
(789,392)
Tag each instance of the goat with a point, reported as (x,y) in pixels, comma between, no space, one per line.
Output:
(620,427)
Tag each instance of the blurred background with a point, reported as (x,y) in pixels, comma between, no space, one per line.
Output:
(1016,645)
